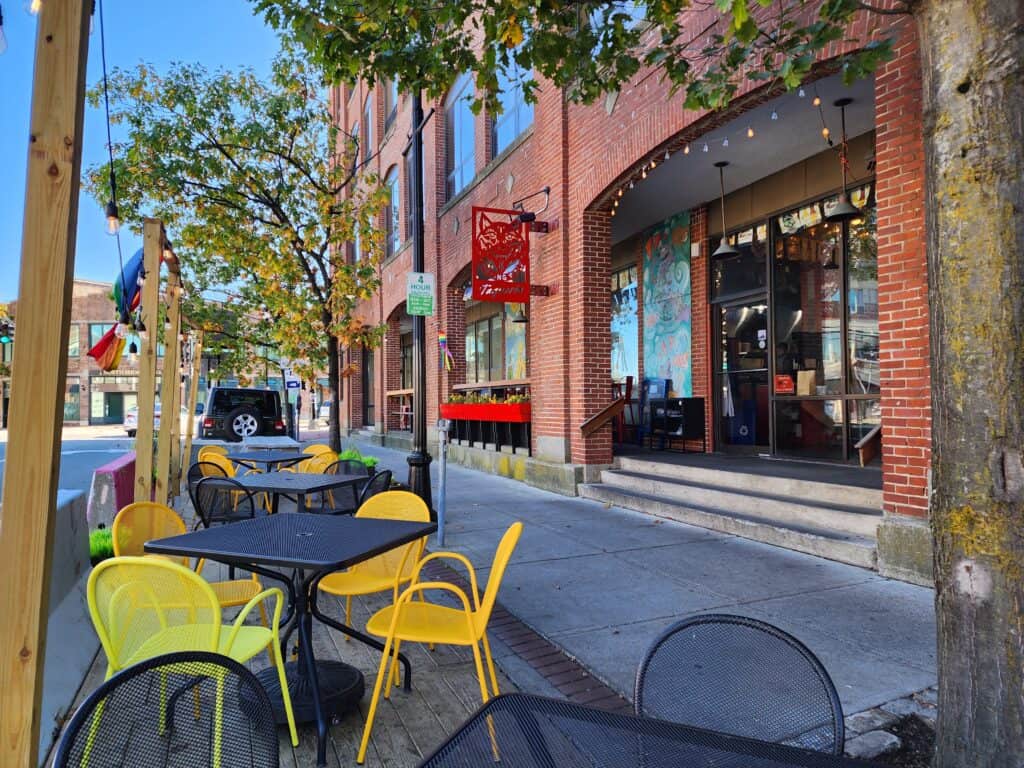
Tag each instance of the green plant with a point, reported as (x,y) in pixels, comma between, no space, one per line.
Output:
(370,462)
(350,454)
(101,545)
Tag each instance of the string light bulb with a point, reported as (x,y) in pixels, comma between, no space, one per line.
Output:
(775,115)
(825,132)
(643,174)
(686,149)
(654,165)
(121,329)
(113,220)
(133,353)
(725,142)
(34,7)
(620,191)
(630,183)
(801,93)
(667,155)
(705,146)
(613,212)
(750,131)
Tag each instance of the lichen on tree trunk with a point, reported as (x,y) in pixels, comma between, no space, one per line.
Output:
(973,71)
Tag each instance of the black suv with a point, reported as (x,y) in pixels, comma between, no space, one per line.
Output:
(233,413)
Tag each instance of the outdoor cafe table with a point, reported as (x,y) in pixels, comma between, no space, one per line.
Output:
(308,547)
(522,731)
(277,458)
(295,484)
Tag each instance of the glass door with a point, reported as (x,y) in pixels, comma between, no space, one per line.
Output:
(742,375)
(368,378)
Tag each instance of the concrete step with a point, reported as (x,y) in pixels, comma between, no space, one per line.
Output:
(813,540)
(787,510)
(760,482)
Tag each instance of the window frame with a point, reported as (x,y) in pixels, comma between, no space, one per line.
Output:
(389,89)
(513,111)
(392,214)
(459,172)
(368,127)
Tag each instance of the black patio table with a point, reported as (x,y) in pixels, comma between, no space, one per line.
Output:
(295,484)
(310,547)
(522,731)
(276,458)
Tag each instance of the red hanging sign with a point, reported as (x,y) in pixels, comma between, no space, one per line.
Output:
(501,256)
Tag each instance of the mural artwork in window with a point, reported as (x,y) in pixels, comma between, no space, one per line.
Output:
(667,303)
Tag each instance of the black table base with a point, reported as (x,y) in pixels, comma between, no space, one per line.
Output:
(341,689)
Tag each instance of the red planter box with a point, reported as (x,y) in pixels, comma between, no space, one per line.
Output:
(506,412)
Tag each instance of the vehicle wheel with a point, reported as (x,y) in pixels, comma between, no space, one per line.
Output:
(131,433)
(241,422)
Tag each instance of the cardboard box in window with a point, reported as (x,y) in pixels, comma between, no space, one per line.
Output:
(806,382)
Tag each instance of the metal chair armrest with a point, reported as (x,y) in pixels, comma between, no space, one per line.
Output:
(450,556)
(256,600)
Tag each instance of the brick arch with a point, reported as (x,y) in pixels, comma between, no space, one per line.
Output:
(392,362)
(455,329)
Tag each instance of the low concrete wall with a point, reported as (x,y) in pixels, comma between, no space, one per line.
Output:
(560,478)
(905,549)
(71,642)
(113,487)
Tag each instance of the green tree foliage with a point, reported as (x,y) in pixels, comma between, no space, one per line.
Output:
(262,195)
(586,48)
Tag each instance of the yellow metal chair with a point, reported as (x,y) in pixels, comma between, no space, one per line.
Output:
(317,449)
(232,470)
(144,607)
(220,450)
(424,622)
(147,520)
(316,464)
(390,570)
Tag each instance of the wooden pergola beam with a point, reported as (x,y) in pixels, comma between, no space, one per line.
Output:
(39,371)
(152,248)
(170,385)
(193,392)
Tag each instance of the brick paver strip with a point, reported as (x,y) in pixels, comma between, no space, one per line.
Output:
(566,674)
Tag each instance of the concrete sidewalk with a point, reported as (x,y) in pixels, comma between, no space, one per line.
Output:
(602,583)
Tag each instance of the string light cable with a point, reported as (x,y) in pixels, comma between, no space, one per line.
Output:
(113,220)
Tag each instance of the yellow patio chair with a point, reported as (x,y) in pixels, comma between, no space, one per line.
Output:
(147,520)
(143,607)
(315,464)
(388,571)
(316,449)
(220,450)
(425,622)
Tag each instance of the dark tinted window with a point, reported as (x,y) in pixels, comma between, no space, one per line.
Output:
(225,400)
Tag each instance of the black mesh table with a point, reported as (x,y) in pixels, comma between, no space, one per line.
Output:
(521,731)
(295,484)
(268,458)
(308,547)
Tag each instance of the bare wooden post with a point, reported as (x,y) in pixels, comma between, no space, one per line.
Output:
(193,392)
(152,244)
(38,372)
(168,385)
(174,484)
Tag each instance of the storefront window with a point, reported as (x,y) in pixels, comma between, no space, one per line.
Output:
(72,403)
(744,273)
(625,327)
(862,305)
(96,331)
(406,362)
(495,347)
(74,349)
(808,305)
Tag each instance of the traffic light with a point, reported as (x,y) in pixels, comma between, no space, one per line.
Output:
(6,331)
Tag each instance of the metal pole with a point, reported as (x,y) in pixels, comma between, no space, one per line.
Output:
(442,438)
(419,459)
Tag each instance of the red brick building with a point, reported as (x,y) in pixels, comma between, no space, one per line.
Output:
(799,346)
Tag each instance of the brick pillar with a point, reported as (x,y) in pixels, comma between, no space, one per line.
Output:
(590,335)
(700,322)
(392,370)
(902,281)
(455,328)
(355,386)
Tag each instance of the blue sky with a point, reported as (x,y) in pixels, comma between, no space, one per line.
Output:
(217,33)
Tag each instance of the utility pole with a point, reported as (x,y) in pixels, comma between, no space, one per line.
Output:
(419,459)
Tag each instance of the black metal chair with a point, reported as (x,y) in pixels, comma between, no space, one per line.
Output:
(185,709)
(222,500)
(198,471)
(379,483)
(743,677)
(343,501)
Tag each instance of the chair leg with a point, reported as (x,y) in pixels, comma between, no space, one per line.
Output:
(480,673)
(490,665)
(348,613)
(392,670)
(286,697)
(378,684)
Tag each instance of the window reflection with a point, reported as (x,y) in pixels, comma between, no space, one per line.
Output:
(862,305)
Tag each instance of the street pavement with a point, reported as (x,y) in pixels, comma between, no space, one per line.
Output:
(83,449)
(603,582)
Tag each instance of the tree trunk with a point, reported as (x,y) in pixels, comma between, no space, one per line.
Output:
(334,377)
(289,416)
(973,71)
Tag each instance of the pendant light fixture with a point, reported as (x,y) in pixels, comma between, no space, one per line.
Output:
(724,249)
(844,210)
(519,315)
